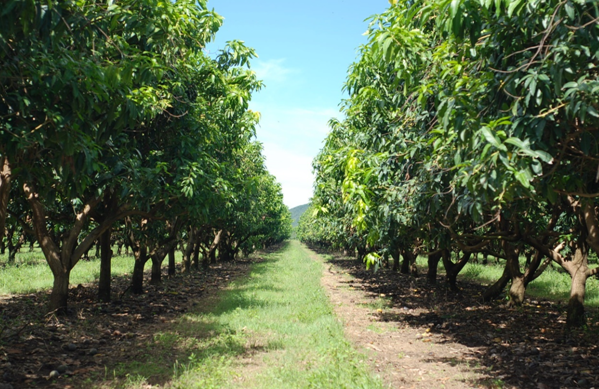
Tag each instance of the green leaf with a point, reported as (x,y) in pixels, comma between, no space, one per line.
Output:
(569,10)
(522,177)
(569,85)
(518,143)
(543,156)
(492,139)
(514,5)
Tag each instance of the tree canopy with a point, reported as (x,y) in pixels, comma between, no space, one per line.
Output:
(114,112)
(471,126)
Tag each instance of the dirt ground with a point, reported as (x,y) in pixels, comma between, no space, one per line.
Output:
(418,335)
(415,335)
(96,337)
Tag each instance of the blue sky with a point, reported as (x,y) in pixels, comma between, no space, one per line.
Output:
(304,50)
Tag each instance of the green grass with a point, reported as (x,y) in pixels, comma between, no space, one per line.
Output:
(274,329)
(31,273)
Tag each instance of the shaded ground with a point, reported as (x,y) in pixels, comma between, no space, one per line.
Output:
(95,337)
(423,336)
(415,335)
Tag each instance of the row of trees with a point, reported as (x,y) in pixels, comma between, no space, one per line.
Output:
(472,127)
(113,117)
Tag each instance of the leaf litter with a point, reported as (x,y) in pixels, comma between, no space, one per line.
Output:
(41,350)
(422,336)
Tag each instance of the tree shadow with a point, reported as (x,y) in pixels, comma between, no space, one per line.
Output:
(147,336)
(524,347)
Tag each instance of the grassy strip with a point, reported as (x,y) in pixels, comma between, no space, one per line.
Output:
(553,284)
(31,273)
(275,329)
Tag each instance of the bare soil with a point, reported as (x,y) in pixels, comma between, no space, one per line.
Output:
(96,337)
(418,335)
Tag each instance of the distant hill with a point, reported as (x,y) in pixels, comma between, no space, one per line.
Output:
(297,212)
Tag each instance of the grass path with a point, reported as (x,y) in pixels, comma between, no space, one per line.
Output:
(273,329)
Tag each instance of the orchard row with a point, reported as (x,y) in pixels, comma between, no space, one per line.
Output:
(114,117)
(472,126)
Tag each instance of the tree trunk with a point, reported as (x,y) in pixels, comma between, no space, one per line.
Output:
(579,271)
(156,277)
(575,316)
(493,291)
(225,253)
(576,264)
(171,262)
(188,251)
(517,290)
(205,259)
(518,287)
(12,249)
(408,265)
(105,267)
(213,256)
(453,269)
(209,253)
(12,254)
(60,292)
(395,255)
(157,255)
(195,263)
(361,252)
(433,263)
(5,183)
(137,279)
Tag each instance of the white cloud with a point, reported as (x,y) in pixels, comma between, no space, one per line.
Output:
(292,137)
(293,171)
(272,70)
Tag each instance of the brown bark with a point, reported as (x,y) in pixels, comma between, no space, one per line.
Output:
(453,269)
(209,252)
(408,265)
(493,291)
(579,271)
(517,290)
(156,275)
(576,264)
(518,287)
(395,255)
(171,262)
(433,263)
(213,256)
(157,257)
(360,254)
(226,252)
(60,290)
(575,316)
(105,267)
(189,250)
(137,279)
(62,259)
(195,260)
(405,264)
(5,183)
(13,248)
